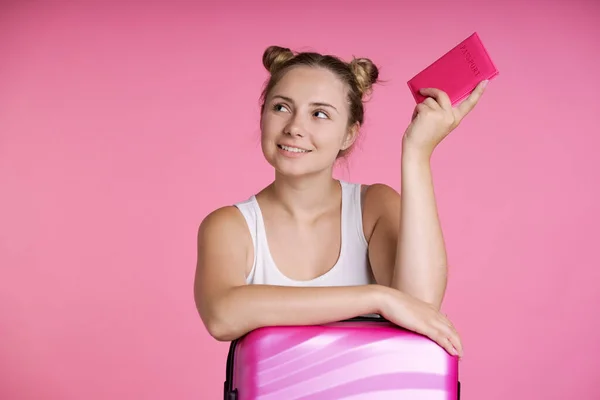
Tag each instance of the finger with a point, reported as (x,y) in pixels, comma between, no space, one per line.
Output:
(456,342)
(440,97)
(441,337)
(419,109)
(441,334)
(455,337)
(456,350)
(445,319)
(448,322)
(431,103)
(414,114)
(450,334)
(470,102)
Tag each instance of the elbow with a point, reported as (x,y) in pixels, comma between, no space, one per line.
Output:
(217,331)
(221,324)
(222,321)
(221,330)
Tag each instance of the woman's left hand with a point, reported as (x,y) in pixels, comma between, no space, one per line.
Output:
(435,118)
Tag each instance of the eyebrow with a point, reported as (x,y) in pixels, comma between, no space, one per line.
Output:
(318,104)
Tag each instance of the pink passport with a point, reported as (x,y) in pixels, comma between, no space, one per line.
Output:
(365,358)
(457,72)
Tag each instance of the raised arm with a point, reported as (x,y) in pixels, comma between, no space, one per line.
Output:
(420,260)
(230,308)
(406,248)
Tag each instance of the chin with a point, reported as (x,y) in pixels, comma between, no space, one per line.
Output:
(296,168)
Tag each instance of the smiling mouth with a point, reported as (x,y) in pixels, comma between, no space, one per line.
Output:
(293,149)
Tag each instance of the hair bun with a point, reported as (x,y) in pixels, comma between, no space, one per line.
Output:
(274,57)
(365,72)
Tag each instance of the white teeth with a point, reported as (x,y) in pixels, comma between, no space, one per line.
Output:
(293,149)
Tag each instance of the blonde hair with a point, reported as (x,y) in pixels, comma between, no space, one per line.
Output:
(359,76)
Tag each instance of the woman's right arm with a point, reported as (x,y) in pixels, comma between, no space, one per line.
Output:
(230,308)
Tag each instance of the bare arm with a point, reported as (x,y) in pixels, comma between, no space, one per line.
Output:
(420,263)
(230,308)
(406,247)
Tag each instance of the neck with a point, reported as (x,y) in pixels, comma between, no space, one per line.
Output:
(307,196)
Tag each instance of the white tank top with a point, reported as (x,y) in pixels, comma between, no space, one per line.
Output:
(352,267)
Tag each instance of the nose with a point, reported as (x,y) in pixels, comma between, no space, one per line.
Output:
(294,127)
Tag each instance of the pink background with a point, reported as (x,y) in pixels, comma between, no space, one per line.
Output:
(122,126)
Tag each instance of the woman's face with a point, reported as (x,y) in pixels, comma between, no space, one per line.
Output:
(304,123)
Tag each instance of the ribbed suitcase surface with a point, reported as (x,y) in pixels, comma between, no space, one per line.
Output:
(359,359)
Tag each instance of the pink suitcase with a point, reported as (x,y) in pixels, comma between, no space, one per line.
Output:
(364,358)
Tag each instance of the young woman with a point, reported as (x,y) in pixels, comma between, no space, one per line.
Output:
(310,249)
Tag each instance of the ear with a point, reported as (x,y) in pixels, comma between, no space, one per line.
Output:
(351,136)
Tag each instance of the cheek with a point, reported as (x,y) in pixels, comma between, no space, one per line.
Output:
(332,135)
(266,128)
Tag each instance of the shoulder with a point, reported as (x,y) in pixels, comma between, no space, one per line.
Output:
(223,224)
(380,191)
(223,253)
(379,201)
(374,192)
(378,196)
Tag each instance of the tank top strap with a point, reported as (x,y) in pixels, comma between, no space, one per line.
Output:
(353,212)
(250,212)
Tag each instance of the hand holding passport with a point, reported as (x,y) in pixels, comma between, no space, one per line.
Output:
(457,72)
(459,76)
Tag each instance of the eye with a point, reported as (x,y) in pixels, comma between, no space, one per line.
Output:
(279,107)
(323,114)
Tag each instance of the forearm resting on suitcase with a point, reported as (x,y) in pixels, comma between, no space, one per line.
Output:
(241,309)
(231,308)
